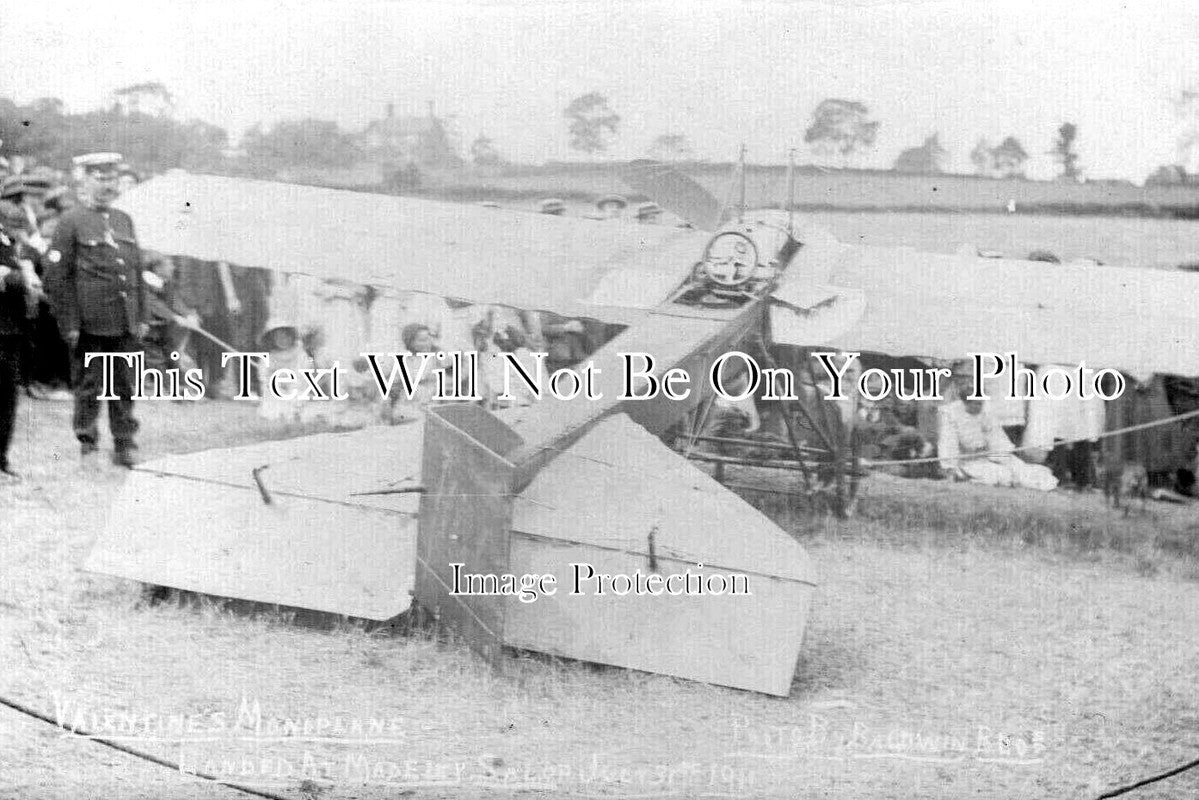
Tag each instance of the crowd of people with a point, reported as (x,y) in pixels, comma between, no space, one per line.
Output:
(72,285)
(610,207)
(1041,443)
(1028,440)
(76,281)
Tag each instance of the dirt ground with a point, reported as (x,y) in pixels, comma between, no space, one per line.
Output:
(963,643)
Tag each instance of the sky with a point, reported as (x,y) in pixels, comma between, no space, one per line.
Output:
(720,72)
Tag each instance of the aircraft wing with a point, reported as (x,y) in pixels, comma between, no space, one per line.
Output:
(1141,321)
(610,270)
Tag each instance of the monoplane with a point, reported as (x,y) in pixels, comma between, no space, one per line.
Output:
(367,523)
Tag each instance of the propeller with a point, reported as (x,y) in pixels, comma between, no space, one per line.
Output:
(806,308)
(673,191)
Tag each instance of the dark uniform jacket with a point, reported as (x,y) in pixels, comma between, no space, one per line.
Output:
(94,273)
(14,310)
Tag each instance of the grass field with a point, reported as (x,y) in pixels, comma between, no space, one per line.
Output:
(937,214)
(817,187)
(1125,241)
(964,642)
(1112,221)
(1120,241)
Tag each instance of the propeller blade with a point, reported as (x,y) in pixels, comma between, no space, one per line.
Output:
(673,191)
(807,314)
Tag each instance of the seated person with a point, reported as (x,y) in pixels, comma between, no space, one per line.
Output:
(740,416)
(725,417)
(565,341)
(490,342)
(172,320)
(965,428)
(286,351)
(418,338)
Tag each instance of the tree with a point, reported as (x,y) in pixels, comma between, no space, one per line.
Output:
(841,127)
(1186,109)
(1009,157)
(670,147)
(42,130)
(31,130)
(927,159)
(403,179)
(453,136)
(1064,153)
(206,144)
(1170,175)
(982,159)
(305,142)
(152,143)
(591,122)
(48,107)
(483,152)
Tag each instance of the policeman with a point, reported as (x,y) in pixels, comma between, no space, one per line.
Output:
(18,283)
(94,278)
(47,360)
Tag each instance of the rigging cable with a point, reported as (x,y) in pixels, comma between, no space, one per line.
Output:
(144,756)
(1153,779)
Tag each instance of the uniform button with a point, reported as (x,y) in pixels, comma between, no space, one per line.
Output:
(124,294)
(120,261)
(122,277)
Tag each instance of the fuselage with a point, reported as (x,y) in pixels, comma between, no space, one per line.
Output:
(687,331)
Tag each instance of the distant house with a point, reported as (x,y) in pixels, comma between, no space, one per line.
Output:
(143,98)
(1172,175)
(409,140)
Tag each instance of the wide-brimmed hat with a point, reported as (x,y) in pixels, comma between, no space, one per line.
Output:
(646,210)
(611,199)
(1045,256)
(98,162)
(411,331)
(18,185)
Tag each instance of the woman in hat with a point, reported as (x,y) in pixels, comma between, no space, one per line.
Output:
(611,206)
(649,213)
(972,446)
(418,338)
(284,347)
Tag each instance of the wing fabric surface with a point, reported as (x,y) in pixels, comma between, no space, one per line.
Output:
(454,250)
(946,306)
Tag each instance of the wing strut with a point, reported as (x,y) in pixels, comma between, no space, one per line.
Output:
(830,471)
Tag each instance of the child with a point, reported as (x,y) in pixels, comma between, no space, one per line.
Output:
(173,320)
(286,351)
(511,340)
(418,338)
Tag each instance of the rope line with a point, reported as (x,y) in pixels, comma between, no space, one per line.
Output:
(1105,435)
(1152,779)
(868,463)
